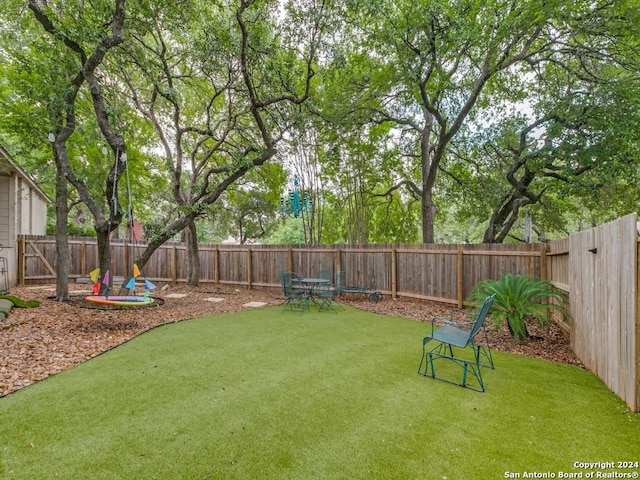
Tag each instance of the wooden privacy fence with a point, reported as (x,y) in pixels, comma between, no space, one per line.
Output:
(444,273)
(599,270)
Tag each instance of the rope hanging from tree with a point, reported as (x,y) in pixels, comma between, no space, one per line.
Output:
(131,284)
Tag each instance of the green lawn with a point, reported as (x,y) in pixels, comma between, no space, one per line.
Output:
(272,394)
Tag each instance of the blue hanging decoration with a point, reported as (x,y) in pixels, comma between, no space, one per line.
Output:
(296,201)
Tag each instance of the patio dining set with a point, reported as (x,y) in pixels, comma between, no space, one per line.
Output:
(320,291)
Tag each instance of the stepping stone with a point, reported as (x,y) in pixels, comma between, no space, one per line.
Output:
(214,299)
(254,304)
(176,295)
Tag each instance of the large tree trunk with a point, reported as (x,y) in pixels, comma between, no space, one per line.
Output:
(428,217)
(62,247)
(104,256)
(193,255)
(503,219)
(429,170)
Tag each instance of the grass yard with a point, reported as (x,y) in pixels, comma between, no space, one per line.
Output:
(272,394)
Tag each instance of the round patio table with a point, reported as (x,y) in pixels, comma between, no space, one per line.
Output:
(309,284)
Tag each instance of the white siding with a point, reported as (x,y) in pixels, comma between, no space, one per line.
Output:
(4,210)
(33,210)
(38,214)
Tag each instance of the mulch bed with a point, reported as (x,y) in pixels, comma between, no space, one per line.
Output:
(40,342)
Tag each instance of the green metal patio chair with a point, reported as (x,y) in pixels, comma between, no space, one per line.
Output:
(293,298)
(326,274)
(340,276)
(460,335)
(295,282)
(326,294)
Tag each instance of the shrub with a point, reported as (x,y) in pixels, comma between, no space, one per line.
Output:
(519,297)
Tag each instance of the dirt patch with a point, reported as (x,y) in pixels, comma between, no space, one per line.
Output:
(39,342)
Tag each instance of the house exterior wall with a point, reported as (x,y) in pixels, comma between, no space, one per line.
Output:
(8,263)
(38,215)
(31,210)
(23,210)
(5,183)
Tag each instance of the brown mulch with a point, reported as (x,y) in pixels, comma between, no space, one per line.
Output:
(39,342)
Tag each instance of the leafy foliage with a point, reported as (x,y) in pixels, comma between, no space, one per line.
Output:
(519,297)
(290,232)
(408,113)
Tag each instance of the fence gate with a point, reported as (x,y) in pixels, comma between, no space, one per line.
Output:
(603,285)
(32,260)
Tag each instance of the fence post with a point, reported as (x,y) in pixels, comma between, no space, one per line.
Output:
(125,259)
(394,272)
(460,273)
(249,267)
(637,332)
(83,259)
(543,261)
(174,265)
(216,265)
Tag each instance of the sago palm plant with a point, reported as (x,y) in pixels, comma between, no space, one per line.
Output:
(519,297)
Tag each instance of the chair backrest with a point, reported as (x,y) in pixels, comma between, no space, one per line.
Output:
(482,315)
(339,282)
(280,274)
(285,281)
(326,274)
